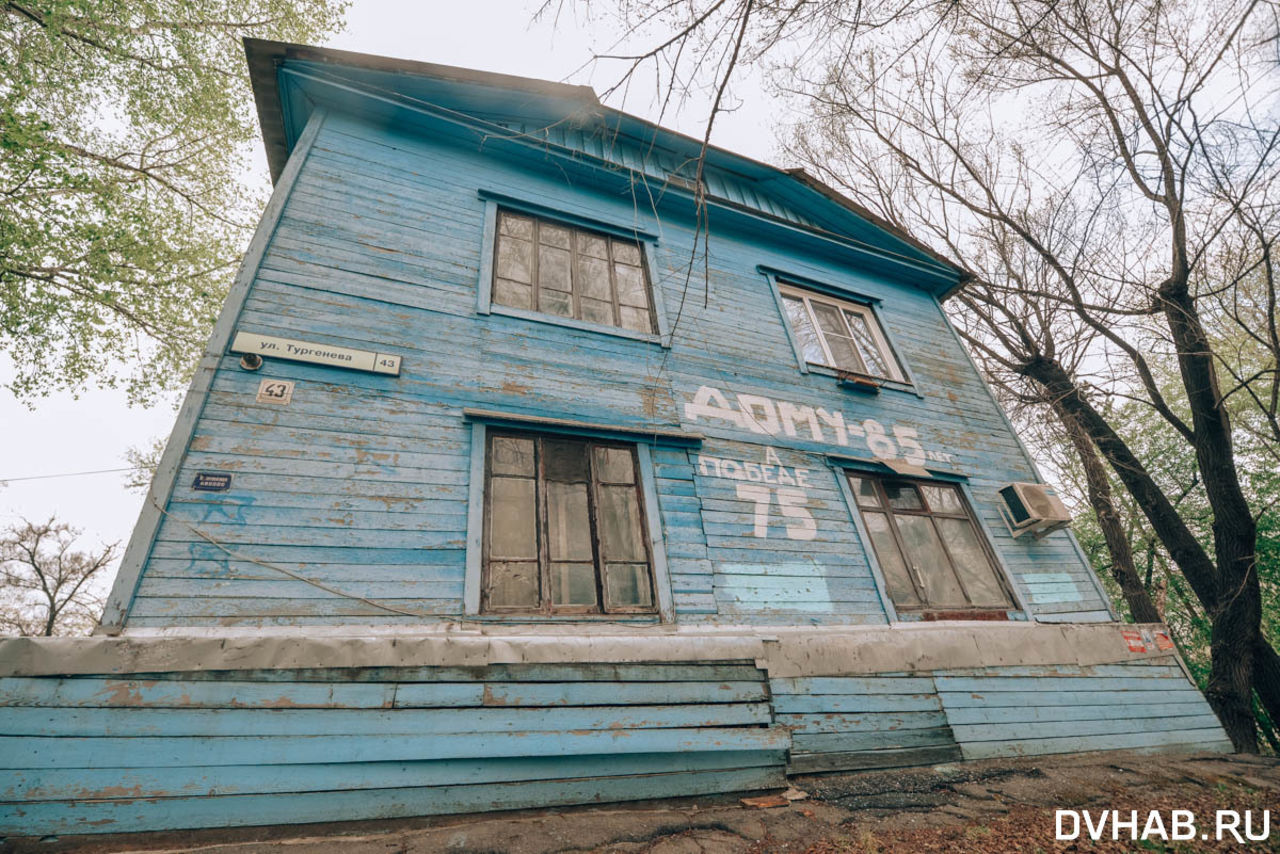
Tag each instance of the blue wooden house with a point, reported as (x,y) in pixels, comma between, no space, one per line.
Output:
(522,470)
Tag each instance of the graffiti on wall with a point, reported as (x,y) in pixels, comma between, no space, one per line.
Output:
(768,417)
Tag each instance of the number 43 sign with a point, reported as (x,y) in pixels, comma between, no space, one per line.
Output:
(279,392)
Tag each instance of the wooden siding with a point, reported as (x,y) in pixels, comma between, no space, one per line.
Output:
(150,751)
(100,754)
(361,482)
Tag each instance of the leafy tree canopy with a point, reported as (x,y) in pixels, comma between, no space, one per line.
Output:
(124,132)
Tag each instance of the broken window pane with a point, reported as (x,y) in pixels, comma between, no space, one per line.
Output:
(565,460)
(513,585)
(903,496)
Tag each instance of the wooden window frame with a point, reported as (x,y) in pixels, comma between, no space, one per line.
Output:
(885,349)
(925,609)
(489,273)
(546,607)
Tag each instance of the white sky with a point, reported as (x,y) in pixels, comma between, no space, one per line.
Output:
(65,434)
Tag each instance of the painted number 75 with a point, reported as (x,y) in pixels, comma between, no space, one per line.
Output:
(790,501)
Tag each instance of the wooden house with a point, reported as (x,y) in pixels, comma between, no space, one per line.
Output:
(513,476)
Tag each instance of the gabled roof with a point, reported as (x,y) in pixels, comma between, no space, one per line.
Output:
(290,80)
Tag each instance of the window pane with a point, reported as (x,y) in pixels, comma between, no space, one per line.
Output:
(568,524)
(515,259)
(513,585)
(865,491)
(635,318)
(511,455)
(615,465)
(553,235)
(517,226)
(553,268)
(972,563)
(903,496)
(556,302)
(573,584)
(593,245)
(896,580)
(593,279)
(514,294)
(597,311)
(925,555)
(944,499)
(512,518)
(628,586)
(626,252)
(621,535)
(631,286)
(868,348)
(802,326)
(564,460)
(837,337)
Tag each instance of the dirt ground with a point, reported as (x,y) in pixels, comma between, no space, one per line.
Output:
(994,806)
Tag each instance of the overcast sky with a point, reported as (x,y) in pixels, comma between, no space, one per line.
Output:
(64,434)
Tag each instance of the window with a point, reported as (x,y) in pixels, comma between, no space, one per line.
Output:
(928,545)
(564,529)
(841,335)
(571,272)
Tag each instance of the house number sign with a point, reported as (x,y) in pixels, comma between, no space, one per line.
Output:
(279,392)
(269,346)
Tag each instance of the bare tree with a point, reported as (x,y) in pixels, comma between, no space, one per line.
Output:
(1108,170)
(46,588)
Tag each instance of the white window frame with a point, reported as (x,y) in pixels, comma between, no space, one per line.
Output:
(808,297)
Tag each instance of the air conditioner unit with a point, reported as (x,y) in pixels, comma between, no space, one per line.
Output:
(1032,508)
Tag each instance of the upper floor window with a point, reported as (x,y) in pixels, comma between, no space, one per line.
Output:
(839,334)
(564,529)
(928,545)
(567,271)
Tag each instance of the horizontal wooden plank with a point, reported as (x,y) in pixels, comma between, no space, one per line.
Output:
(1026,730)
(845,742)
(1026,714)
(1056,699)
(1073,683)
(812,763)
(129,815)
(85,784)
(207,723)
(855,703)
(846,685)
(881,722)
(1209,740)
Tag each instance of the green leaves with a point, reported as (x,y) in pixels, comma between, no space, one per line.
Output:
(124,135)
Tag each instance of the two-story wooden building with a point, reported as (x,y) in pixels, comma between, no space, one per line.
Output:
(521,471)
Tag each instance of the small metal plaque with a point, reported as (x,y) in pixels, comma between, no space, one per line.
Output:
(316,354)
(209,481)
(279,392)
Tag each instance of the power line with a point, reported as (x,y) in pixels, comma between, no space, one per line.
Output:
(66,474)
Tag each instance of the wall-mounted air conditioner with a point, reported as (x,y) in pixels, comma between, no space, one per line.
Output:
(1032,508)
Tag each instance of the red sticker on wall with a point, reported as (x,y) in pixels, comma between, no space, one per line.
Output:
(1133,638)
(1164,643)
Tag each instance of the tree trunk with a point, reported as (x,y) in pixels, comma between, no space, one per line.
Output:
(1234,613)
(1123,569)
